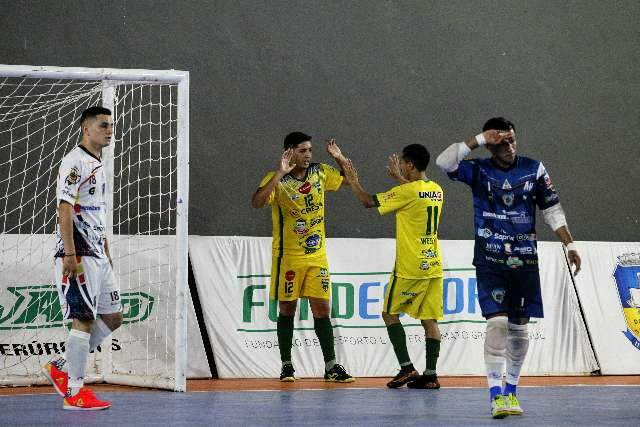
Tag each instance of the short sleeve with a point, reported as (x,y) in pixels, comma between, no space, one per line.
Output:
(546,195)
(69,176)
(392,200)
(332,178)
(264,182)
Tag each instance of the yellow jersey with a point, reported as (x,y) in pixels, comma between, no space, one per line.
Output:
(297,211)
(418,206)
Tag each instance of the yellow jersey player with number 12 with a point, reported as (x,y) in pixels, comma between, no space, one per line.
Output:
(415,286)
(296,193)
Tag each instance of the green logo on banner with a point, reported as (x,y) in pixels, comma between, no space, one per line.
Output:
(38,307)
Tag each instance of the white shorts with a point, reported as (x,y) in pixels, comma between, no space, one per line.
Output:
(93,291)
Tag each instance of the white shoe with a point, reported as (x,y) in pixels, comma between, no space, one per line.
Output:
(513,405)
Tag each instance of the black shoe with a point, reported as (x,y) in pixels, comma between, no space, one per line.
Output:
(403,377)
(338,374)
(287,373)
(425,381)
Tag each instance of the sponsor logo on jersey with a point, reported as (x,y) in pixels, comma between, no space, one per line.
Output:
(484,232)
(508,199)
(429,253)
(525,250)
(521,219)
(514,262)
(528,186)
(289,275)
(493,247)
(325,285)
(524,237)
(73,176)
(294,197)
(424,265)
(294,213)
(305,188)
(502,237)
(427,240)
(432,195)
(313,241)
(493,215)
(506,185)
(507,248)
(409,294)
(301,226)
(553,197)
(90,208)
(315,221)
(388,196)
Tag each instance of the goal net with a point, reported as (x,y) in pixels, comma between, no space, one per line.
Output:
(147,169)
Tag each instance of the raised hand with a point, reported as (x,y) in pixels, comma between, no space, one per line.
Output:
(285,162)
(333,149)
(495,137)
(393,168)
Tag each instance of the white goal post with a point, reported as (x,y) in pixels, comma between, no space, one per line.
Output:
(147,167)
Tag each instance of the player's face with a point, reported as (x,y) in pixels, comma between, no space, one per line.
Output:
(302,154)
(506,151)
(99,130)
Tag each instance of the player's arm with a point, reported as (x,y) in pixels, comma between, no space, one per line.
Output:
(65,221)
(351,174)
(261,196)
(451,157)
(554,216)
(107,252)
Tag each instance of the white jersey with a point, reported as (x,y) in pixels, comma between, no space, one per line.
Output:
(82,183)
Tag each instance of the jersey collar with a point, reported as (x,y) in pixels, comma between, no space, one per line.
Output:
(83,148)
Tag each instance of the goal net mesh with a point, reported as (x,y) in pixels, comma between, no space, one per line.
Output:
(38,126)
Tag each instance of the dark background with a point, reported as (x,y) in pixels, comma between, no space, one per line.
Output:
(376,75)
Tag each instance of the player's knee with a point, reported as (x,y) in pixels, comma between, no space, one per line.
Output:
(287,308)
(517,341)
(390,319)
(495,341)
(113,320)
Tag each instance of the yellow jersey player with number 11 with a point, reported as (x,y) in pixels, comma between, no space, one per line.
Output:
(296,193)
(415,286)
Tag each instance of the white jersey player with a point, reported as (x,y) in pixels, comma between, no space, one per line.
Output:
(89,293)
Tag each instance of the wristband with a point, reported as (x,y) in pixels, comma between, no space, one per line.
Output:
(480,139)
(571,247)
(66,255)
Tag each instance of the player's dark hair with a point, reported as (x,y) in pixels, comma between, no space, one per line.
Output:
(498,123)
(418,155)
(295,138)
(93,112)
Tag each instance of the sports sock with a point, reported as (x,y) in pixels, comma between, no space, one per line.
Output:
(494,391)
(399,341)
(494,350)
(433,351)
(324,332)
(99,332)
(285,336)
(509,389)
(517,347)
(77,351)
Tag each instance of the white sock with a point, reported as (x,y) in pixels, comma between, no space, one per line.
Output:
(517,347)
(99,332)
(494,350)
(77,351)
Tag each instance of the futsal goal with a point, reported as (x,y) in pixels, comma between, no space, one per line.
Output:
(147,172)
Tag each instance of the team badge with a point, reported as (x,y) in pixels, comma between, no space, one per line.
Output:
(627,277)
(73,176)
(498,295)
(424,265)
(324,272)
(507,199)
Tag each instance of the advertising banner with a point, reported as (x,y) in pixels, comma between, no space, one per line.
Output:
(233,275)
(32,330)
(609,290)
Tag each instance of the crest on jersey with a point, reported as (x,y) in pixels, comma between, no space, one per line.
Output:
(627,278)
(507,199)
(73,177)
(506,185)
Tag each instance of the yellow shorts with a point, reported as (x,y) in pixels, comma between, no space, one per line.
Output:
(419,298)
(297,278)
